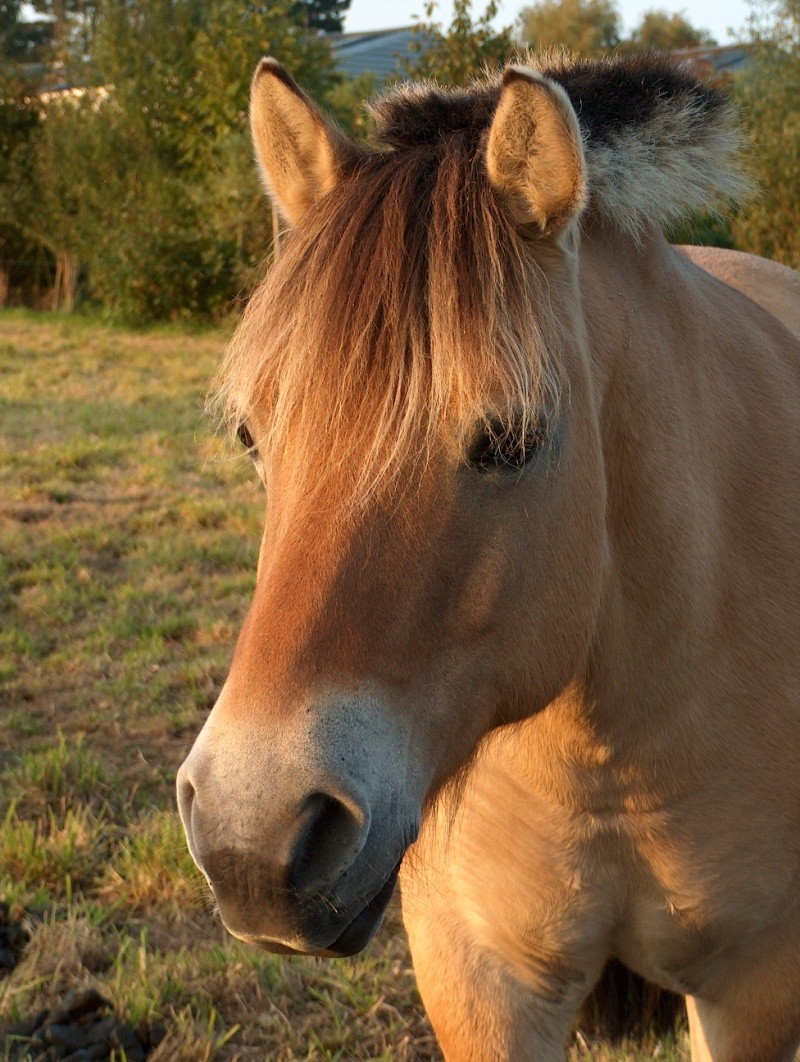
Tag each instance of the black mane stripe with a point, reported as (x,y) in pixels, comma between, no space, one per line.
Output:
(659,141)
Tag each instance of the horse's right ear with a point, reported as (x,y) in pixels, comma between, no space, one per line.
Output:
(300,153)
(534,155)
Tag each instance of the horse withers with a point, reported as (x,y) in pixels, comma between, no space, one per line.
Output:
(525,625)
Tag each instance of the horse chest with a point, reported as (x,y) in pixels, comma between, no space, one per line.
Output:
(669,887)
(696,894)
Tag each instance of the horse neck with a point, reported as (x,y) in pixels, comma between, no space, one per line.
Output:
(658,588)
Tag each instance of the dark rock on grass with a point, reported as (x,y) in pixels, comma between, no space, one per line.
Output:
(81,1028)
(13,938)
(151,1035)
(78,1004)
(24,1030)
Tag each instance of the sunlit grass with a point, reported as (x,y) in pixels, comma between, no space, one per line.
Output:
(151,867)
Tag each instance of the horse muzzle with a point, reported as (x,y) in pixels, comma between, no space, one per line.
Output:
(300,836)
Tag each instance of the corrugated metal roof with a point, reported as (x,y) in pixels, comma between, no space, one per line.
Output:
(722,58)
(378,52)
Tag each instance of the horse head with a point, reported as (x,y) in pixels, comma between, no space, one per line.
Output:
(413,382)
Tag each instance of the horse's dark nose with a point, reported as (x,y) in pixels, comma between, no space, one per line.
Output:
(264,870)
(331,835)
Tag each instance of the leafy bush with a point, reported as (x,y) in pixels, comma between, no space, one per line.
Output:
(768,91)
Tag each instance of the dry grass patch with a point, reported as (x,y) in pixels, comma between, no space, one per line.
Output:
(57,853)
(68,950)
(56,776)
(151,867)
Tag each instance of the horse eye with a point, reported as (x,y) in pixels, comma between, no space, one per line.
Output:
(245,438)
(507,448)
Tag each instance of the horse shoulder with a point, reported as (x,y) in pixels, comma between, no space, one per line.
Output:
(773,286)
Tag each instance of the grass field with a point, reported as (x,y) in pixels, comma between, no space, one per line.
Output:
(128,542)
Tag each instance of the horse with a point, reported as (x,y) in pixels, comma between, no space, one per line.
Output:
(524,632)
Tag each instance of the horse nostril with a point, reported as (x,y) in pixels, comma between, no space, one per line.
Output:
(185,802)
(331,836)
(185,793)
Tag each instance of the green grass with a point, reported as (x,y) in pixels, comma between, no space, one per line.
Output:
(128,542)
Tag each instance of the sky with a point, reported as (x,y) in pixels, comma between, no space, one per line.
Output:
(718,16)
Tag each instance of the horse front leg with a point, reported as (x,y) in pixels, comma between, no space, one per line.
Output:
(482,1008)
(508,936)
(749,1008)
(754,1019)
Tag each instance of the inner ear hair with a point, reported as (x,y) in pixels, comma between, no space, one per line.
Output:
(300,152)
(534,153)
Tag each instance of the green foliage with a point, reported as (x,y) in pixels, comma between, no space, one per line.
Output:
(768,92)
(192,226)
(68,22)
(146,51)
(325,15)
(48,176)
(163,262)
(346,103)
(145,187)
(226,49)
(48,196)
(21,39)
(19,121)
(706,230)
(454,56)
(181,69)
(594,27)
(668,31)
(591,27)
(19,117)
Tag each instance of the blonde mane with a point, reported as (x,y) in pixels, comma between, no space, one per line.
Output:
(406,306)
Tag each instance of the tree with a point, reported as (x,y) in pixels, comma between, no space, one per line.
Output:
(191,225)
(668,31)
(345,100)
(453,56)
(590,27)
(19,119)
(21,40)
(44,198)
(227,47)
(182,68)
(326,15)
(768,91)
(145,185)
(69,23)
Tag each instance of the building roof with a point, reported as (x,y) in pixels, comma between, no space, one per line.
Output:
(721,58)
(377,52)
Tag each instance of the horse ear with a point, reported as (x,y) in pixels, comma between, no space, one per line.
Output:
(534,156)
(299,152)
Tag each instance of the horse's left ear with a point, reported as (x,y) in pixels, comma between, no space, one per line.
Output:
(301,154)
(534,156)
